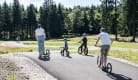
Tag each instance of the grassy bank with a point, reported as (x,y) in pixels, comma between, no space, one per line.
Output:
(91,42)
(4,49)
(127,55)
(115,44)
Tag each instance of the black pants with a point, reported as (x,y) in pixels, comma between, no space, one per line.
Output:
(83,45)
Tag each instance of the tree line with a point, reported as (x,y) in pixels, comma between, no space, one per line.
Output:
(118,17)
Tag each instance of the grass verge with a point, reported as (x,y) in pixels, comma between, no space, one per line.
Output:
(5,49)
(115,44)
(127,55)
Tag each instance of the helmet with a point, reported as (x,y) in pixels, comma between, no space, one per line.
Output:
(65,39)
(102,29)
(84,34)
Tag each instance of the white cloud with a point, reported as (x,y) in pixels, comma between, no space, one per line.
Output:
(37,3)
(71,3)
(8,1)
(26,3)
(66,3)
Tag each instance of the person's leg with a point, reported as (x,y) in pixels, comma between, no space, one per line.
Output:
(104,60)
(102,56)
(39,44)
(43,47)
(81,47)
(101,60)
(105,55)
(85,46)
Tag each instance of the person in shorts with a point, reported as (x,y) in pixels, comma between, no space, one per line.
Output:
(105,47)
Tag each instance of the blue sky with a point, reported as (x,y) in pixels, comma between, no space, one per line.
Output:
(66,3)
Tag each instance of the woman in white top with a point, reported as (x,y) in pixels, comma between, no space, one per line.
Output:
(40,37)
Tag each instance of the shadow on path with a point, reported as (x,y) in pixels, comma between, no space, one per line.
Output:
(69,56)
(115,76)
(90,55)
(44,58)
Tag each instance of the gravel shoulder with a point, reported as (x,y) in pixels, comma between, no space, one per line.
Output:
(25,68)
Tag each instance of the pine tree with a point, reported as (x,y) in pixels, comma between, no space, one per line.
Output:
(52,21)
(60,20)
(32,22)
(0,22)
(16,23)
(86,28)
(6,21)
(132,17)
(123,19)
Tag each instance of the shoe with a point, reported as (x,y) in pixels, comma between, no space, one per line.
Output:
(101,67)
(104,68)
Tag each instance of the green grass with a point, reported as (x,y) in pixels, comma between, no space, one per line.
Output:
(48,43)
(92,38)
(1,42)
(11,78)
(127,55)
(115,44)
(125,45)
(4,49)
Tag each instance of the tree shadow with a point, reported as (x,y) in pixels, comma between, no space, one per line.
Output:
(115,76)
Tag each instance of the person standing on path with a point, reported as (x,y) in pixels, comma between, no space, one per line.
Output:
(106,42)
(40,36)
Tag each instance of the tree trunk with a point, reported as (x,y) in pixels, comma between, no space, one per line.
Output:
(134,33)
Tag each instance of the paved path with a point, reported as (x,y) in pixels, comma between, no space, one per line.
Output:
(79,67)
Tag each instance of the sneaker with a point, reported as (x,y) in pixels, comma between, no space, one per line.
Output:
(101,67)
(104,68)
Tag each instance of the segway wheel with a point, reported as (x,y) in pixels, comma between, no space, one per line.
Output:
(109,68)
(67,53)
(86,51)
(79,50)
(98,61)
(62,52)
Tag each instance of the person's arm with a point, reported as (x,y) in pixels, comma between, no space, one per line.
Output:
(44,35)
(111,40)
(36,36)
(80,41)
(97,41)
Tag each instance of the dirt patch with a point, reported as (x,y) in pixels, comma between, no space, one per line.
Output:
(9,71)
(25,68)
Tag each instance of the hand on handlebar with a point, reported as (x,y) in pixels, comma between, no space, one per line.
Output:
(78,42)
(95,45)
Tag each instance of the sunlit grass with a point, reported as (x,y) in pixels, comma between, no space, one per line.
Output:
(5,49)
(91,42)
(1,42)
(125,45)
(12,77)
(115,44)
(127,55)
